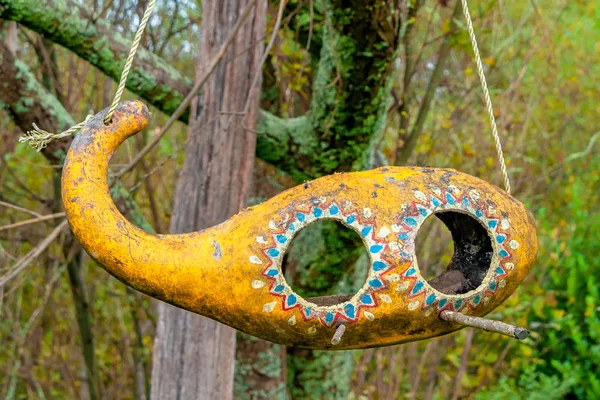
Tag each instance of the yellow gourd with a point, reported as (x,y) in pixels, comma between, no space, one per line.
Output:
(232,272)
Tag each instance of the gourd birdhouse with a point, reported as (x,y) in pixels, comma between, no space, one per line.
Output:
(232,272)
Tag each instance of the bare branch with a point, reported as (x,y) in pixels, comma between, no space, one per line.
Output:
(33,254)
(32,221)
(403,153)
(14,207)
(265,55)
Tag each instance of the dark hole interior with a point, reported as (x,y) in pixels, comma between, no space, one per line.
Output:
(472,254)
(326,263)
(434,247)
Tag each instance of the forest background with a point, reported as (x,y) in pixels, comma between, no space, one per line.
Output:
(70,330)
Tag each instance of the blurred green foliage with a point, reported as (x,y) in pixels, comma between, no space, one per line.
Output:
(564,356)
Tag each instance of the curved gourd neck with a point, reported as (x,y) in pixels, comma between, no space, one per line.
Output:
(147,262)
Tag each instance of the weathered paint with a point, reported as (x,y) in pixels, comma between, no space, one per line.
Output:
(232,272)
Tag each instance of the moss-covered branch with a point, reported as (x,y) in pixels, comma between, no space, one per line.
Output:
(349,97)
(290,144)
(28,102)
(348,105)
(71,25)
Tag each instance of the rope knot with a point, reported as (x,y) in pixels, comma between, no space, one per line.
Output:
(39,138)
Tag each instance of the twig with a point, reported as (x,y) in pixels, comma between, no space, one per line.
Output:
(7,254)
(186,102)
(309,39)
(417,379)
(585,152)
(37,165)
(102,12)
(496,367)
(82,315)
(25,261)
(403,153)
(258,75)
(464,361)
(32,221)
(14,207)
(149,173)
(489,325)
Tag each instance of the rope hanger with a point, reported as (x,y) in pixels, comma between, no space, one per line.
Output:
(486,94)
(39,138)
(134,46)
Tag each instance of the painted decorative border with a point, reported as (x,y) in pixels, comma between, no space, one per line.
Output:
(277,241)
(421,294)
(382,252)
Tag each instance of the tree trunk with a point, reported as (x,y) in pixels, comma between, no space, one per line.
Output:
(194,356)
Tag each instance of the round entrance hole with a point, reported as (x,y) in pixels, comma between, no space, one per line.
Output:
(470,258)
(326,263)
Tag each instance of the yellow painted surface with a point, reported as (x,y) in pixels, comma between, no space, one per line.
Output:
(231,272)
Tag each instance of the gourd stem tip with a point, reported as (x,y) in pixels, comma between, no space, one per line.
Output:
(337,336)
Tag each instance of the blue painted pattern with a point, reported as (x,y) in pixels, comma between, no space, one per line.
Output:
(407,280)
(414,215)
(281,237)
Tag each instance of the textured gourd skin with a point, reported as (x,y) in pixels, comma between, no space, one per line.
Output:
(230,272)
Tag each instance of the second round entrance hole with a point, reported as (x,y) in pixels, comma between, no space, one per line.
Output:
(468,257)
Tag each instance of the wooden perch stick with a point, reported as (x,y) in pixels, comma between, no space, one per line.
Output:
(489,325)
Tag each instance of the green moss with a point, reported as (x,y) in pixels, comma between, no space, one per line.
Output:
(23,105)
(69,27)
(266,365)
(319,374)
(46,99)
(284,137)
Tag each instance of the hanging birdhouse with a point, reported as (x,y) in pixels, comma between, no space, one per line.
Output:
(232,272)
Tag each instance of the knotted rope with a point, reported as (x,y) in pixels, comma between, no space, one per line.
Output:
(39,138)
